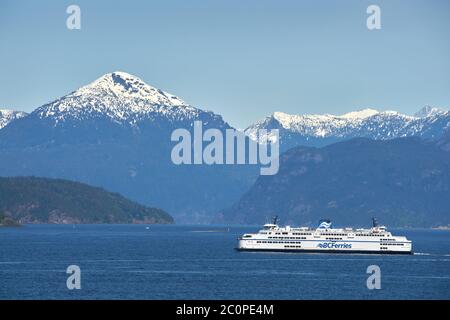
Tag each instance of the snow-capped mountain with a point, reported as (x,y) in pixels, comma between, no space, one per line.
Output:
(319,130)
(112,108)
(7,116)
(120,97)
(116,133)
(429,111)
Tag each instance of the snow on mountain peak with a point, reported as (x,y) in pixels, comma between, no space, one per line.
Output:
(286,120)
(7,112)
(429,111)
(317,125)
(119,96)
(7,116)
(321,124)
(124,84)
(363,123)
(360,114)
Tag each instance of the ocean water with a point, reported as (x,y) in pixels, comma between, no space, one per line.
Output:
(199,262)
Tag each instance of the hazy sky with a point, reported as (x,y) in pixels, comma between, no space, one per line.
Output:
(241,59)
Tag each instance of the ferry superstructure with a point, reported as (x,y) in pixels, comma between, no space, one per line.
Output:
(324,239)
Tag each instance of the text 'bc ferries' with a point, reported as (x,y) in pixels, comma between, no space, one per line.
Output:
(325,239)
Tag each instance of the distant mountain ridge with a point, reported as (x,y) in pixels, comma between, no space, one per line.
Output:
(39,200)
(321,130)
(405,182)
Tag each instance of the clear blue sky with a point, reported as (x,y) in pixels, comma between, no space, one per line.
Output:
(241,59)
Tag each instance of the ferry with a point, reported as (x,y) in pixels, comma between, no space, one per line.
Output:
(325,239)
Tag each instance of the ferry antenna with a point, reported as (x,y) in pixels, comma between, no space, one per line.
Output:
(374,222)
(275,220)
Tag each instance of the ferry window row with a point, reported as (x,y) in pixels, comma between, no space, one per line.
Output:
(294,233)
(288,238)
(278,242)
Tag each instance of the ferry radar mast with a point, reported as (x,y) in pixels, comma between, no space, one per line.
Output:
(374,222)
(274,220)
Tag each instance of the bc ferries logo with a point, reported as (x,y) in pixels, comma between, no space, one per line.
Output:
(333,245)
(324,225)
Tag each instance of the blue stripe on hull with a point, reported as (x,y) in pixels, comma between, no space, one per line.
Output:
(326,251)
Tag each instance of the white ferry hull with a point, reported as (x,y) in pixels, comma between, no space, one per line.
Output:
(325,246)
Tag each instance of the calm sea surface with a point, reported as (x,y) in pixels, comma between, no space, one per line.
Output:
(199,262)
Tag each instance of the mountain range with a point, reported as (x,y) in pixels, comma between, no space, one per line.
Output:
(402,182)
(115,133)
(320,130)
